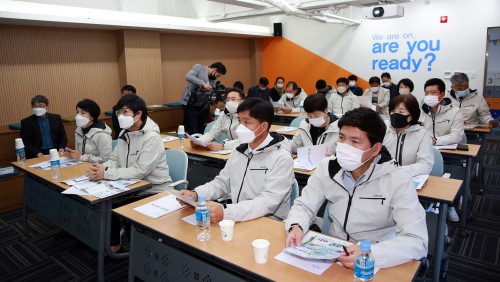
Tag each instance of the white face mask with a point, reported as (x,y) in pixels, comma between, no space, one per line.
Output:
(341,89)
(125,121)
(317,122)
(387,84)
(245,135)
(375,89)
(431,101)
(404,91)
(232,106)
(352,83)
(39,111)
(279,85)
(349,157)
(81,121)
(290,95)
(262,88)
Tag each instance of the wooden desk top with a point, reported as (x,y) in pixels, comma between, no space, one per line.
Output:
(290,114)
(473,151)
(480,128)
(440,189)
(275,128)
(304,172)
(70,172)
(200,151)
(239,250)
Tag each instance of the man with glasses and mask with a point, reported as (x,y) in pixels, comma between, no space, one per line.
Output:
(258,174)
(225,124)
(42,131)
(368,197)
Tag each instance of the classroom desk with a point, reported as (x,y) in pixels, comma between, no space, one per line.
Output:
(481,130)
(275,128)
(286,119)
(87,218)
(181,257)
(467,155)
(444,191)
(196,152)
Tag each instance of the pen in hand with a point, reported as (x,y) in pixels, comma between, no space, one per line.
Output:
(345,250)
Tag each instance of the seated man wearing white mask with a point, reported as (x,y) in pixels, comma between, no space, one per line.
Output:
(379,97)
(444,121)
(225,124)
(258,174)
(320,126)
(368,197)
(293,97)
(344,100)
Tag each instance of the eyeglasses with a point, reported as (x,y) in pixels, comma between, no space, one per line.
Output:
(232,99)
(125,112)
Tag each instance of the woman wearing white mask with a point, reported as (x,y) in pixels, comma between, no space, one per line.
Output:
(444,121)
(320,126)
(405,86)
(279,89)
(293,97)
(379,97)
(92,137)
(225,124)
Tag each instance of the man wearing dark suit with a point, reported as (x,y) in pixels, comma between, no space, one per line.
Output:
(127,89)
(261,90)
(42,131)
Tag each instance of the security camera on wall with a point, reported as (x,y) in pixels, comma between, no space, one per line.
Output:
(383,12)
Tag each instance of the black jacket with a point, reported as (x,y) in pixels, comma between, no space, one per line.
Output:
(255,91)
(32,136)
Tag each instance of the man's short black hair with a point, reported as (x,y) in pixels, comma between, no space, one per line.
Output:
(436,81)
(366,120)
(315,102)
(293,84)
(39,99)
(343,80)
(410,103)
(259,109)
(386,75)
(353,77)
(135,103)
(239,84)
(129,88)
(263,81)
(279,77)
(320,84)
(406,82)
(90,107)
(236,89)
(219,67)
(374,79)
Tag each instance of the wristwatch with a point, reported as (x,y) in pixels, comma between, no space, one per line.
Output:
(293,225)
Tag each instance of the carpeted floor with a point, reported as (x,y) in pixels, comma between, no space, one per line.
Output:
(48,256)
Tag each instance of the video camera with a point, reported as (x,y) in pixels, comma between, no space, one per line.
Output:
(201,99)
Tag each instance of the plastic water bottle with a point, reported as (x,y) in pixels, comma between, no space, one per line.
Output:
(364,265)
(302,106)
(21,155)
(180,134)
(202,219)
(216,113)
(55,163)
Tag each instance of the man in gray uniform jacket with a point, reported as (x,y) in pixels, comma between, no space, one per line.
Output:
(258,174)
(368,196)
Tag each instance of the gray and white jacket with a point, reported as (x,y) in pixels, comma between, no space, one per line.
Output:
(342,104)
(329,97)
(447,125)
(472,106)
(140,154)
(303,136)
(294,103)
(95,146)
(384,96)
(382,208)
(411,149)
(227,124)
(196,77)
(259,183)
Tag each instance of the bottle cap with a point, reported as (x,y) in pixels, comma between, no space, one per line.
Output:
(217,112)
(54,154)
(180,130)
(302,103)
(202,198)
(365,246)
(19,143)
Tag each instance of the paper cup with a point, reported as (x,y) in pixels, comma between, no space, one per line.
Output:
(226,229)
(180,130)
(54,154)
(260,250)
(19,143)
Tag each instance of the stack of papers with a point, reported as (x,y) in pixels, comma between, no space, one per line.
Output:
(222,152)
(278,105)
(81,185)
(446,147)
(419,181)
(309,157)
(7,170)
(160,207)
(197,141)
(286,129)
(469,127)
(365,101)
(169,138)
(64,162)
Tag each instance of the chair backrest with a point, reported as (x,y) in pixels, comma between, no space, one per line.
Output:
(296,121)
(326,222)
(464,139)
(221,137)
(207,128)
(438,167)
(177,162)
(113,144)
(294,193)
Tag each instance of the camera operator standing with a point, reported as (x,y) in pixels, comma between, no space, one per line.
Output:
(196,110)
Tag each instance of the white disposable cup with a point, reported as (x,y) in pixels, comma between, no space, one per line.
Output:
(260,250)
(180,130)
(19,143)
(54,154)
(226,229)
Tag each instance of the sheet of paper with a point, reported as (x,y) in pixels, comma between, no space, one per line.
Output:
(419,181)
(365,101)
(314,266)
(469,127)
(169,138)
(318,246)
(446,147)
(159,207)
(104,190)
(123,183)
(298,165)
(286,129)
(75,180)
(191,219)
(278,105)
(67,162)
(222,152)
(7,170)
(74,191)
(310,156)
(197,141)
(42,165)
(186,199)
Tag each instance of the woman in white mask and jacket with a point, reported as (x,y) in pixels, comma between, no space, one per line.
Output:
(409,143)
(225,124)
(92,137)
(320,126)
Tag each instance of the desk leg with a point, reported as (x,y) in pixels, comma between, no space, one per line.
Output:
(131,276)
(480,163)
(25,236)
(102,242)
(466,191)
(439,245)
